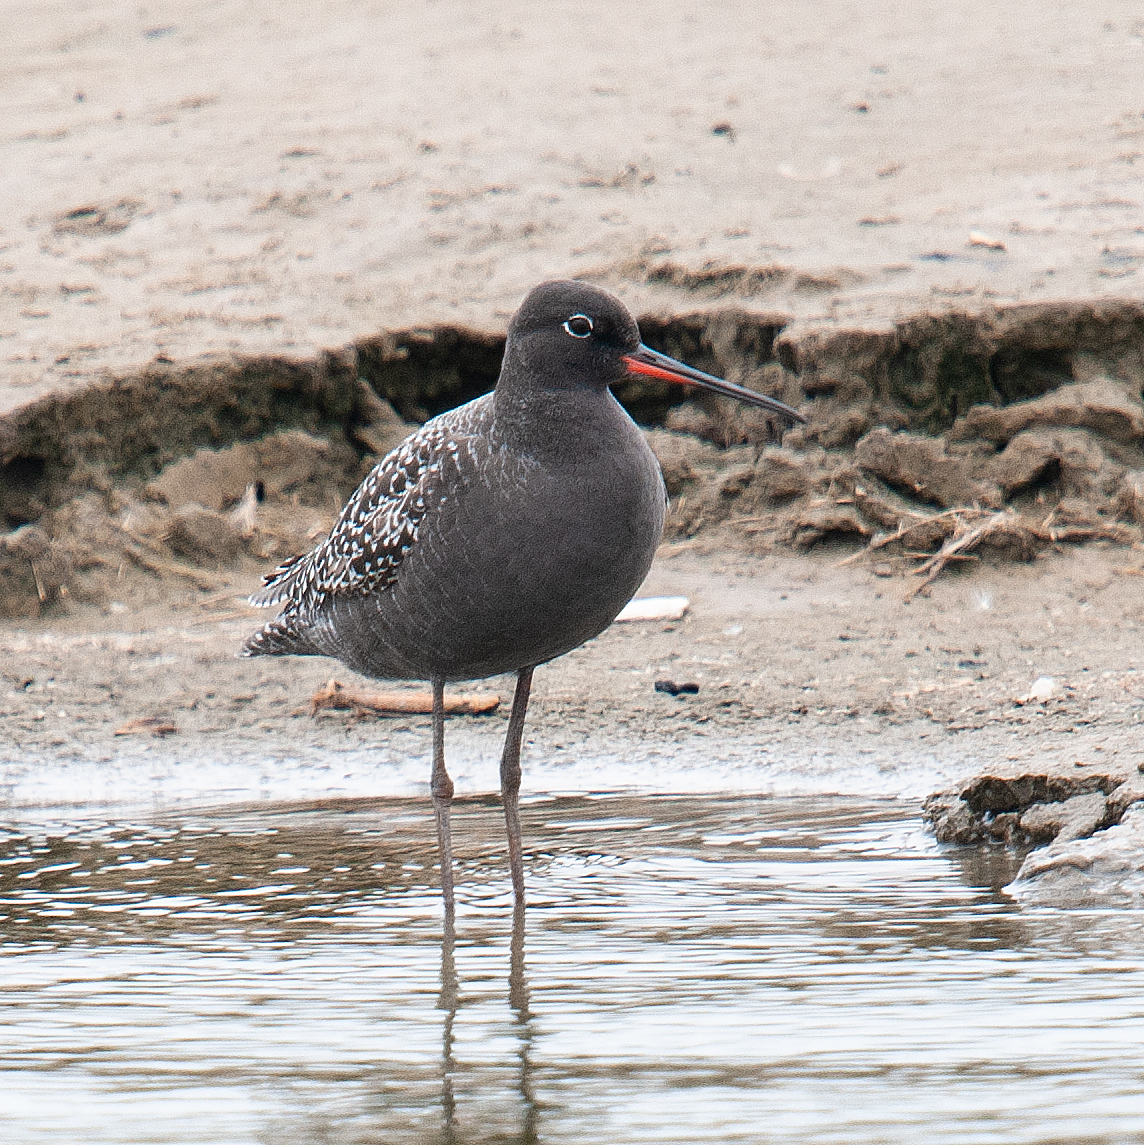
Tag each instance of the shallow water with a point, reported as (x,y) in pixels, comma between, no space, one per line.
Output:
(693,969)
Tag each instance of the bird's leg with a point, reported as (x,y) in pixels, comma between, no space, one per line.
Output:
(442,788)
(510,781)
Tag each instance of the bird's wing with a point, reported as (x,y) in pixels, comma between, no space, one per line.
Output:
(378,525)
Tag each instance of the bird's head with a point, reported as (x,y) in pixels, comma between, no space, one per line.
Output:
(571,334)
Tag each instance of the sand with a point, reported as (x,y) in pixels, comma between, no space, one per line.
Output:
(187,176)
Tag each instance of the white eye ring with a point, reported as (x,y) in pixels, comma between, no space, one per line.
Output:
(579,318)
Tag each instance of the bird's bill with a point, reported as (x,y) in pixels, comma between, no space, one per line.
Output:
(651,363)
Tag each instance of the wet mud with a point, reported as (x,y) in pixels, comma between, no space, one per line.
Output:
(241,260)
(1080,823)
(159,498)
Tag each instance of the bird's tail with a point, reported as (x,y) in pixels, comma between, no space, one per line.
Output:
(278,638)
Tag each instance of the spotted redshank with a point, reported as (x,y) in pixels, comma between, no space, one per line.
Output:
(500,534)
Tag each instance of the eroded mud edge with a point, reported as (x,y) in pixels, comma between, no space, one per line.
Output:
(920,374)
(1009,430)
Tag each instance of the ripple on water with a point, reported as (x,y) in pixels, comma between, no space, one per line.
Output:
(697,969)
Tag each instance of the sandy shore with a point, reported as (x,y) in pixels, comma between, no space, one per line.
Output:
(261,177)
(793,657)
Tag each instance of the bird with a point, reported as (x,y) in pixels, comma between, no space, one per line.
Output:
(500,534)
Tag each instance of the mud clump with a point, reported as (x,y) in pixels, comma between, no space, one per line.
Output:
(1053,466)
(780,476)
(211,511)
(1130,497)
(1083,823)
(278,465)
(1032,808)
(922,468)
(123,430)
(1104,406)
(203,536)
(35,573)
(1009,430)
(684,459)
(1072,459)
(1074,818)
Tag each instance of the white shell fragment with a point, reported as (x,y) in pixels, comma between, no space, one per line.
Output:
(830,167)
(1043,690)
(978,238)
(655,608)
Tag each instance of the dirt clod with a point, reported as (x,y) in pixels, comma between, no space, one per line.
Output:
(921,467)
(1033,807)
(1073,458)
(817,522)
(147,725)
(34,572)
(1130,496)
(683,458)
(1105,406)
(1074,818)
(782,475)
(203,536)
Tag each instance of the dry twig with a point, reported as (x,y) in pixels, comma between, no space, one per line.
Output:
(955,546)
(950,516)
(336,696)
(147,725)
(159,567)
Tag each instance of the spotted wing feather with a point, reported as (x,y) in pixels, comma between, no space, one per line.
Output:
(377,527)
(366,545)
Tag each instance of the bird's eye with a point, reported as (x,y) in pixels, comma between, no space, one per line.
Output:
(579,326)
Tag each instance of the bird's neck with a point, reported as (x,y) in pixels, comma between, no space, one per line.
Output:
(552,423)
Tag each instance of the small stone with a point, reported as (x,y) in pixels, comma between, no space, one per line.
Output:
(979,238)
(671,688)
(1042,690)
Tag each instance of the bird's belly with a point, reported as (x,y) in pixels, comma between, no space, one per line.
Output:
(507,577)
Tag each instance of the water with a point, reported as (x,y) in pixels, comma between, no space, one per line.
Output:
(694,969)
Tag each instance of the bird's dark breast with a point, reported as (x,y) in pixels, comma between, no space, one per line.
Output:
(523,562)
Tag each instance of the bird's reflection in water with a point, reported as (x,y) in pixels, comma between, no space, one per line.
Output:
(518,1000)
(447,1001)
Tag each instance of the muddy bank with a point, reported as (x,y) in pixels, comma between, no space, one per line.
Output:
(810,675)
(1007,431)
(978,451)
(792,674)
(241,259)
